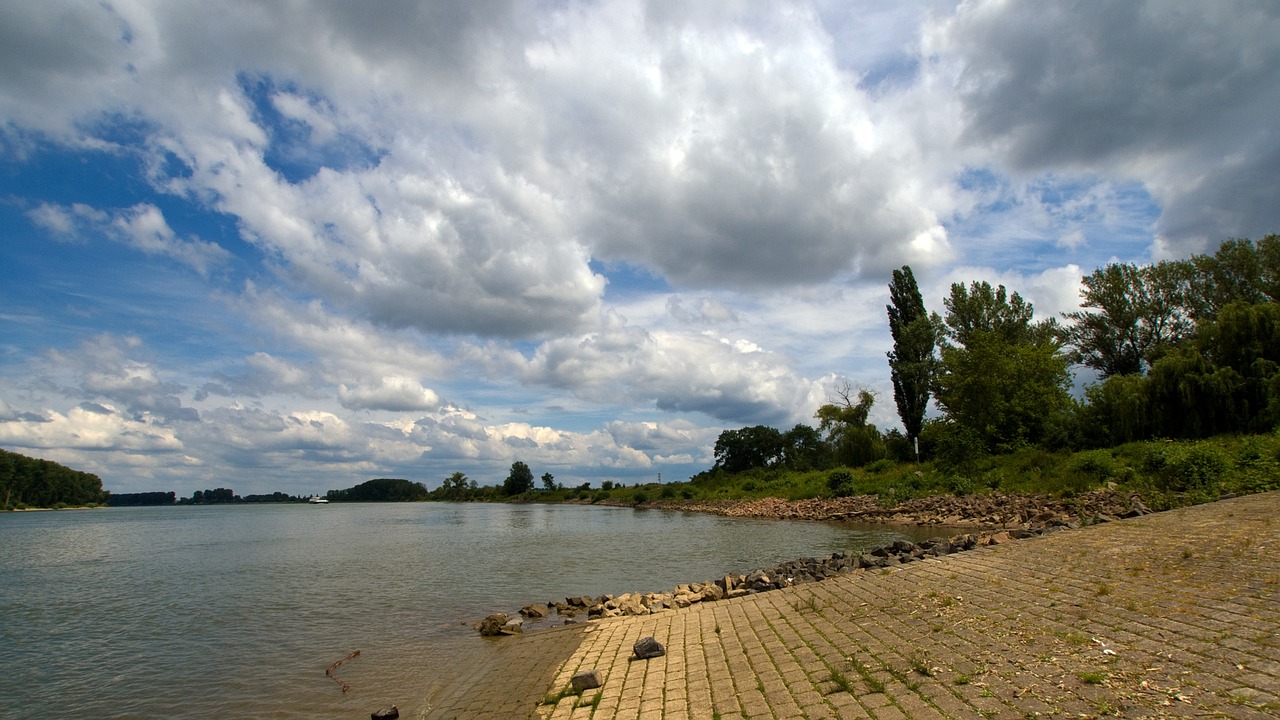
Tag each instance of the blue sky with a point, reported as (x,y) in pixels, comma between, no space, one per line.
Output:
(296,246)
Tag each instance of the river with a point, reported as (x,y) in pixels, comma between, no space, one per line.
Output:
(236,611)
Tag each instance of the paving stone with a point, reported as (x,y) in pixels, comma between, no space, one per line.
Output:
(1188,601)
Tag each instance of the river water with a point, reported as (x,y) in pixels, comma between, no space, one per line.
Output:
(236,611)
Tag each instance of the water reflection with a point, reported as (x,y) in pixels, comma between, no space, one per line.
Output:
(225,611)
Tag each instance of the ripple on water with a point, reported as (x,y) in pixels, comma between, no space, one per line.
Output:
(237,611)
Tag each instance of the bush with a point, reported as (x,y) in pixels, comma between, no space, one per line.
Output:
(881,465)
(1096,465)
(840,483)
(960,485)
(1183,467)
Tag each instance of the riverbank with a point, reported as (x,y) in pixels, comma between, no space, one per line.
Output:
(1172,613)
(993,519)
(987,511)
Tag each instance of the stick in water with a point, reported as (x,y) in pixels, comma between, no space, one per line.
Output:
(329,672)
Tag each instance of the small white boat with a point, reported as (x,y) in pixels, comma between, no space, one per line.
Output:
(317,500)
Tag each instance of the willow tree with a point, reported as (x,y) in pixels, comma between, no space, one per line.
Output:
(911,362)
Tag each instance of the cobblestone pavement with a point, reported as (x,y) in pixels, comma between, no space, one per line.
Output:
(1169,615)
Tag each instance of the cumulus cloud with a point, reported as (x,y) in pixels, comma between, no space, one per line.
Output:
(1167,93)
(141,227)
(430,200)
(109,367)
(395,393)
(727,379)
(101,428)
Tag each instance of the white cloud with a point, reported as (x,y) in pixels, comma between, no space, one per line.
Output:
(141,227)
(394,393)
(1168,93)
(426,193)
(101,428)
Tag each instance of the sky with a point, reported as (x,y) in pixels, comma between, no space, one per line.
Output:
(295,245)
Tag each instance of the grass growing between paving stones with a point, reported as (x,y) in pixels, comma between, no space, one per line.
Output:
(555,698)
(1092,678)
(842,683)
(920,662)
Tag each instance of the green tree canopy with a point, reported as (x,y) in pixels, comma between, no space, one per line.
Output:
(1133,316)
(750,447)
(853,440)
(1005,377)
(912,362)
(519,480)
(982,309)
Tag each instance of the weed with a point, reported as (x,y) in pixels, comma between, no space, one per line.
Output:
(962,680)
(555,698)
(920,663)
(809,604)
(842,683)
(864,672)
(1091,678)
(1103,589)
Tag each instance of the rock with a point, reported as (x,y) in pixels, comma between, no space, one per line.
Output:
(386,713)
(711,591)
(492,625)
(729,582)
(998,538)
(648,647)
(534,612)
(514,626)
(586,680)
(629,604)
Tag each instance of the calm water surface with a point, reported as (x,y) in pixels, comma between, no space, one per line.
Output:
(236,611)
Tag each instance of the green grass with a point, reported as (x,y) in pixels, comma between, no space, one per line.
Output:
(1165,473)
(1092,678)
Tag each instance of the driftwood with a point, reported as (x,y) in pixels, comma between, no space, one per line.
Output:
(345,687)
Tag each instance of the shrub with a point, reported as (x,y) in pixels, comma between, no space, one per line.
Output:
(881,465)
(1097,465)
(840,483)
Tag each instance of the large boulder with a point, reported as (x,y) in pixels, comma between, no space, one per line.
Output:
(586,680)
(648,647)
(534,612)
(492,625)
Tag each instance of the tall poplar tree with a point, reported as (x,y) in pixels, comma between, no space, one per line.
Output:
(911,362)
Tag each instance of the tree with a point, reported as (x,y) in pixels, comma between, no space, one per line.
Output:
(1002,378)
(1004,392)
(455,487)
(1136,315)
(750,447)
(1239,271)
(912,362)
(548,481)
(804,449)
(519,480)
(854,441)
(986,310)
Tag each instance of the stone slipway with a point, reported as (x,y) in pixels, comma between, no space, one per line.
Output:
(1175,614)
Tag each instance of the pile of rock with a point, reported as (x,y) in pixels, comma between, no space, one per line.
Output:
(994,510)
(796,572)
